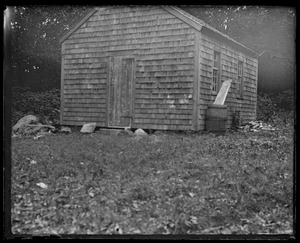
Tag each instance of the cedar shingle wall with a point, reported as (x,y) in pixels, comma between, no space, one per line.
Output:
(229,62)
(164,54)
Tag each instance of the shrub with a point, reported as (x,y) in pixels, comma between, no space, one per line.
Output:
(276,108)
(285,100)
(45,104)
(266,108)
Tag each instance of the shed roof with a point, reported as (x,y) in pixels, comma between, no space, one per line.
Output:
(191,20)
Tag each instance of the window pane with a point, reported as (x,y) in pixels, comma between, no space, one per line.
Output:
(214,86)
(216,59)
(215,72)
(240,68)
(240,78)
(215,79)
(216,64)
(239,85)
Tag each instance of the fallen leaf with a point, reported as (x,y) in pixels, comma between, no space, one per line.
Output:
(188,223)
(226,231)
(135,204)
(192,194)
(194,219)
(37,137)
(118,229)
(91,193)
(33,162)
(42,185)
(260,220)
(89,232)
(137,231)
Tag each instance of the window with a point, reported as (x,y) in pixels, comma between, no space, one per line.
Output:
(216,71)
(240,79)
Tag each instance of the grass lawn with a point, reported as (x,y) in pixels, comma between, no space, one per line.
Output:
(240,183)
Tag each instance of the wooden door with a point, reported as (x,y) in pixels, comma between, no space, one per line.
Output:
(120,91)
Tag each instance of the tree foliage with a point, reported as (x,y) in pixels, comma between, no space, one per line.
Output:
(258,27)
(44,104)
(276,108)
(35,54)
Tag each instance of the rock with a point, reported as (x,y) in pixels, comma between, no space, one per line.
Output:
(28,126)
(255,126)
(246,127)
(44,128)
(137,137)
(44,133)
(88,128)
(32,129)
(65,130)
(26,120)
(140,132)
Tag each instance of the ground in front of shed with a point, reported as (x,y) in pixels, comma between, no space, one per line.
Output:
(169,183)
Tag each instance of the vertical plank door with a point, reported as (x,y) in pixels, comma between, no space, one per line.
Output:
(120,94)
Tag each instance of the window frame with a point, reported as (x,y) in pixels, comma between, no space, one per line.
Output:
(240,79)
(216,85)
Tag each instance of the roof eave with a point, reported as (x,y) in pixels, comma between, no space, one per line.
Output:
(200,25)
(187,18)
(78,24)
(225,38)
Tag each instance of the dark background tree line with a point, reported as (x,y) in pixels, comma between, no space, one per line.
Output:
(35,50)
(35,30)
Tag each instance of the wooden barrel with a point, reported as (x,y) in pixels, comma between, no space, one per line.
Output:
(216,118)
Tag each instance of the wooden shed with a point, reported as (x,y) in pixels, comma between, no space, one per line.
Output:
(151,67)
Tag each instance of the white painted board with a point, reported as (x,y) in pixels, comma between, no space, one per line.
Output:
(221,97)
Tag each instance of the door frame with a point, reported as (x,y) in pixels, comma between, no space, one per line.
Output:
(110,58)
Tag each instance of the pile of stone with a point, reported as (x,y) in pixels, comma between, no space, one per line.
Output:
(255,126)
(30,126)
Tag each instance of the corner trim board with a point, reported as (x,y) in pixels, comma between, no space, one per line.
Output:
(62,83)
(196,82)
(107,90)
(256,84)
